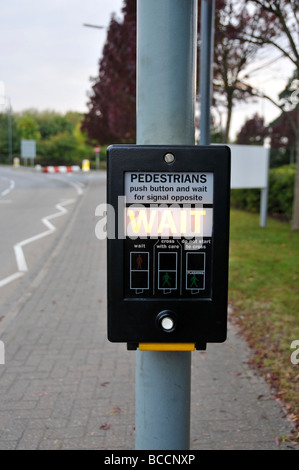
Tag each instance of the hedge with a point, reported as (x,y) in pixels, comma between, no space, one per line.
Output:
(280,197)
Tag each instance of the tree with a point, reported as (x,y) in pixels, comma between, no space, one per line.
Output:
(59,149)
(4,136)
(112,102)
(282,133)
(54,126)
(112,105)
(231,56)
(283,36)
(28,128)
(283,130)
(253,132)
(60,140)
(233,53)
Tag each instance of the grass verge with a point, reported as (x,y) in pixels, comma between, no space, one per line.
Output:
(264,293)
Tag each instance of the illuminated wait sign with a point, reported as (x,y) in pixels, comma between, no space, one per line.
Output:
(168,222)
(169,204)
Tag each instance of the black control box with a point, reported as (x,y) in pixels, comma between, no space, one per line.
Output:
(168,242)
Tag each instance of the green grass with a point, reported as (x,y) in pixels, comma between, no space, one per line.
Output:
(264,293)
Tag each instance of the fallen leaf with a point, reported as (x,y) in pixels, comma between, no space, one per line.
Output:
(103,384)
(115,411)
(42,394)
(105,426)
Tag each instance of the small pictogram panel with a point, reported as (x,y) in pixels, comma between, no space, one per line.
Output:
(139,271)
(167,271)
(195,271)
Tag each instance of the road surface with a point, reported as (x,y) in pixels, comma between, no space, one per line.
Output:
(34,208)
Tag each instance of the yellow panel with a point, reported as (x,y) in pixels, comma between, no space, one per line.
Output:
(166,346)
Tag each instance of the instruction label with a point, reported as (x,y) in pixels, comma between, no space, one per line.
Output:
(181,188)
(169,234)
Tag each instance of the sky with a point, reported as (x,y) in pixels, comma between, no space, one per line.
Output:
(48,56)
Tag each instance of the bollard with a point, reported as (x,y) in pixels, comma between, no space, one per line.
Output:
(85,165)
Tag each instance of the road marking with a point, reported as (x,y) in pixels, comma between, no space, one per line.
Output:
(75,184)
(7,190)
(18,247)
(78,187)
(38,279)
(11,278)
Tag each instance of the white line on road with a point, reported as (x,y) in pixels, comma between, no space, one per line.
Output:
(11,278)
(7,190)
(18,247)
(75,184)
(78,187)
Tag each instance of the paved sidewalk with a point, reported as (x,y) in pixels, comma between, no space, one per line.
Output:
(64,386)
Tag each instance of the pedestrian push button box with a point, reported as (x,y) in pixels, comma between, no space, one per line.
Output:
(168,237)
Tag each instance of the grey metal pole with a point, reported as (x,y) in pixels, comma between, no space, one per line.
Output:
(166,61)
(205,73)
(9,132)
(166,82)
(264,196)
(263,207)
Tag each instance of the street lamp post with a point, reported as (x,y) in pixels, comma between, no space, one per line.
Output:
(97,152)
(9,131)
(7,99)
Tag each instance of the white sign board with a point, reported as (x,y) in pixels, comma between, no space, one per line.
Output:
(250,169)
(28,148)
(249,166)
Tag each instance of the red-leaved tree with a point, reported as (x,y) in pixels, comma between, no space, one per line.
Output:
(253,132)
(112,102)
(111,116)
(282,132)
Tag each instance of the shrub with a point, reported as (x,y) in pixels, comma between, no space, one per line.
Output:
(281,191)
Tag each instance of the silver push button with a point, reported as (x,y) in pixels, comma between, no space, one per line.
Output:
(166,320)
(167,323)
